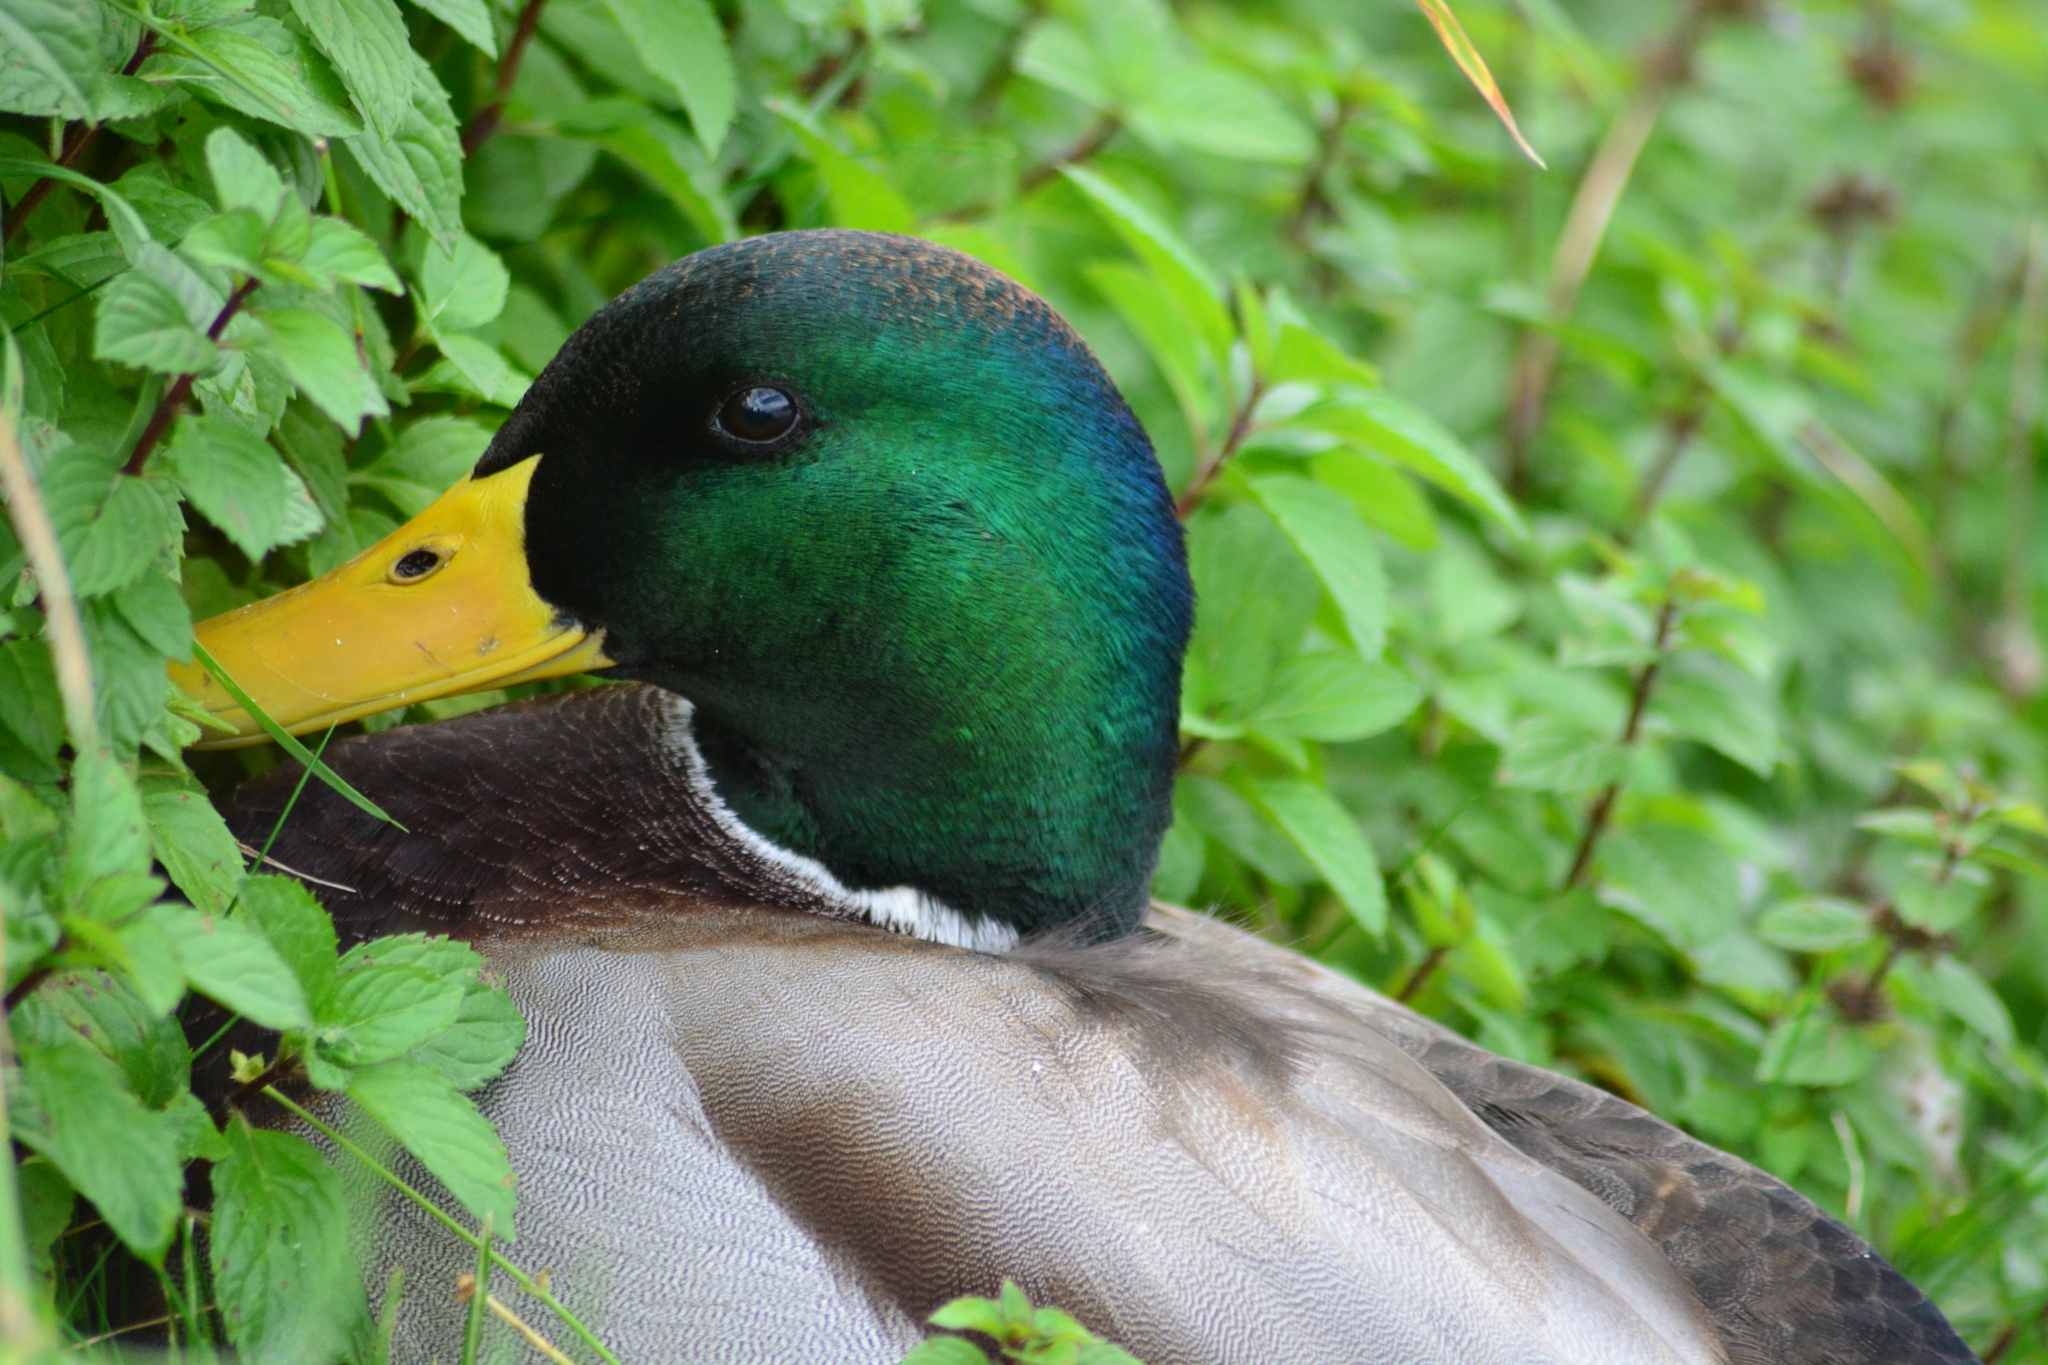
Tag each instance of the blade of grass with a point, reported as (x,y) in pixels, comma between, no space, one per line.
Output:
(1474,66)
(529,1284)
(285,741)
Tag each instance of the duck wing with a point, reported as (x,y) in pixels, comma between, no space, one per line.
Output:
(1784,1283)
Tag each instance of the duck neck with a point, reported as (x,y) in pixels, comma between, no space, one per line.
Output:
(976,819)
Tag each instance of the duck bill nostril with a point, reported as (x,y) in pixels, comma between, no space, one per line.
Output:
(441,606)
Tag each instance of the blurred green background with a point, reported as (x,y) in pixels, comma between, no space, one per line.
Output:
(1619,630)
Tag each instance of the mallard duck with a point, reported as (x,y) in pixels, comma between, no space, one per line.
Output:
(832,929)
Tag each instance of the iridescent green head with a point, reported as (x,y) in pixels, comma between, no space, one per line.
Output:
(878,513)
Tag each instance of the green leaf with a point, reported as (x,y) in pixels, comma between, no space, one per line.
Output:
(74,1106)
(1815,924)
(461,288)
(1300,355)
(673,163)
(49,58)
(1325,832)
(1561,754)
(1254,599)
(1149,309)
(1378,421)
(232,962)
(1211,108)
(1813,1047)
(971,1314)
(242,179)
(286,1282)
(486,1035)
(230,241)
(1185,275)
(256,65)
(1338,544)
(109,836)
(380,1012)
(1674,879)
(418,1106)
(194,846)
(338,250)
(1957,988)
(682,44)
(148,1046)
(470,18)
(861,196)
(367,42)
(420,166)
(298,927)
(112,527)
(142,323)
(154,610)
(1715,703)
(1335,697)
(235,478)
(427,459)
(321,359)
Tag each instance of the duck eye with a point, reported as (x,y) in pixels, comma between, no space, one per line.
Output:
(757,414)
(414,564)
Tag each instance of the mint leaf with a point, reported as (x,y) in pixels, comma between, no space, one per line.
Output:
(236,479)
(422,1110)
(1326,833)
(281,1265)
(232,962)
(75,1107)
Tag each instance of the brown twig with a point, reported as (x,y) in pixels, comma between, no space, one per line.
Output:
(1083,147)
(1315,204)
(74,148)
(485,121)
(1423,971)
(1585,228)
(1679,429)
(181,388)
(1602,809)
(27,985)
(269,1076)
(1240,427)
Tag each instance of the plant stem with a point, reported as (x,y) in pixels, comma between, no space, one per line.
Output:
(66,631)
(22,1334)
(1423,971)
(527,1283)
(1585,228)
(1240,427)
(485,121)
(174,399)
(1602,809)
(1679,429)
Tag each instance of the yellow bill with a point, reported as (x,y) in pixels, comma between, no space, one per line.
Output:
(441,606)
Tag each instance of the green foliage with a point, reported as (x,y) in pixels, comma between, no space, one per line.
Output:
(1618,631)
(1032,1336)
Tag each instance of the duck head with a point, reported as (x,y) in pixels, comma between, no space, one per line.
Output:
(874,510)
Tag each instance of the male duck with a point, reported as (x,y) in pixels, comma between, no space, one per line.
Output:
(834,940)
